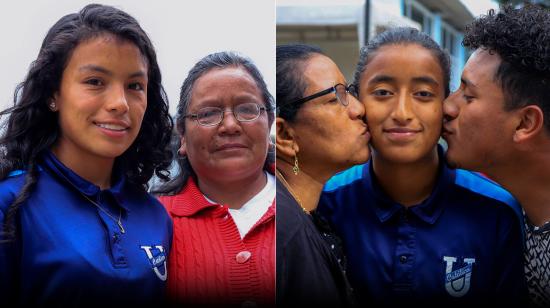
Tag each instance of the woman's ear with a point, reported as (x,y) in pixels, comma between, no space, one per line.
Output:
(182,151)
(52,103)
(285,138)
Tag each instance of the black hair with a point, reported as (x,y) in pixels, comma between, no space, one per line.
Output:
(291,60)
(32,128)
(219,60)
(521,37)
(403,36)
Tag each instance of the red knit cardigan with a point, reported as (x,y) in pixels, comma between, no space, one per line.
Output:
(209,263)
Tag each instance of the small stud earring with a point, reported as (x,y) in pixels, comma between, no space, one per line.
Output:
(52,106)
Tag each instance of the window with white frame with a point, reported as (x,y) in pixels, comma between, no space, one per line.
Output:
(419,14)
(448,39)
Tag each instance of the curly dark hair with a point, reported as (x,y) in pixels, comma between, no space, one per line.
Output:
(290,62)
(216,60)
(403,36)
(521,37)
(32,128)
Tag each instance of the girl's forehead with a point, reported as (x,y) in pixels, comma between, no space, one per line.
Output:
(401,60)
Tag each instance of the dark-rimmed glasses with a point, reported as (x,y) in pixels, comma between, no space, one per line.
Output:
(340,89)
(212,116)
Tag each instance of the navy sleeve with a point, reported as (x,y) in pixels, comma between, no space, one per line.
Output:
(8,259)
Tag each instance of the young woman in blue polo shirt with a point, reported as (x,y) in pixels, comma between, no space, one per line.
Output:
(413,229)
(86,133)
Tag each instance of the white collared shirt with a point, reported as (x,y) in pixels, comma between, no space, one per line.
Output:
(253,210)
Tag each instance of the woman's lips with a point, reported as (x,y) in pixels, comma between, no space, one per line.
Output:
(366,133)
(401,134)
(230,146)
(113,128)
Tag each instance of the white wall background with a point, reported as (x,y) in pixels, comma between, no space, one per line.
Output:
(182,33)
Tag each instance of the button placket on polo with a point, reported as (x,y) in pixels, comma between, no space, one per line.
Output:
(404,254)
(114,234)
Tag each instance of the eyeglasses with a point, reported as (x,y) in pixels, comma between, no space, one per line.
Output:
(212,116)
(341,91)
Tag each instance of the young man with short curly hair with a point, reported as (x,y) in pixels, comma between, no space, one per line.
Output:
(498,122)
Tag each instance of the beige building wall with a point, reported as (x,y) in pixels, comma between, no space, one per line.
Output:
(337,42)
(337,29)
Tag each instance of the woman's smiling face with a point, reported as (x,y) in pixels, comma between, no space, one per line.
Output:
(102,98)
(403,89)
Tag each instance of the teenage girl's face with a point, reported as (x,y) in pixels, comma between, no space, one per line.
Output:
(102,98)
(402,88)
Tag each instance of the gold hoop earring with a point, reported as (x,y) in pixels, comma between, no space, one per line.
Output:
(295,169)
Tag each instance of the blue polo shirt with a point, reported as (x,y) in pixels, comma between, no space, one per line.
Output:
(70,253)
(463,244)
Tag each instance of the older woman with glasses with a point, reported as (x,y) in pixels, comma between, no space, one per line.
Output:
(320,130)
(223,201)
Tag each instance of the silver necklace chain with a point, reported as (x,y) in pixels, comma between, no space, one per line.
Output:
(119,222)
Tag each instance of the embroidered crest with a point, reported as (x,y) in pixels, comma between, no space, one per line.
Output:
(457,282)
(157,258)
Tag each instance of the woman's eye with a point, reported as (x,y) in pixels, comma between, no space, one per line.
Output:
(136,86)
(381,92)
(208,113)
(94,82)
(333,100)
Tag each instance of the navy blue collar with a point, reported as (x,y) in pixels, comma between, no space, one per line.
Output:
(428,211)
(85,187)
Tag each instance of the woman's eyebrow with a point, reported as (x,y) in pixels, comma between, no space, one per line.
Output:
(101,69)
(425,79)
(381,78)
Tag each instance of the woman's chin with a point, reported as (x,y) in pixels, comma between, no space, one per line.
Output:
(232,170)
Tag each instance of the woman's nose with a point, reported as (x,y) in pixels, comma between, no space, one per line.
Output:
(356,109)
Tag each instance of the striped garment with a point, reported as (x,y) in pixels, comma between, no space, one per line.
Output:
(537,263)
